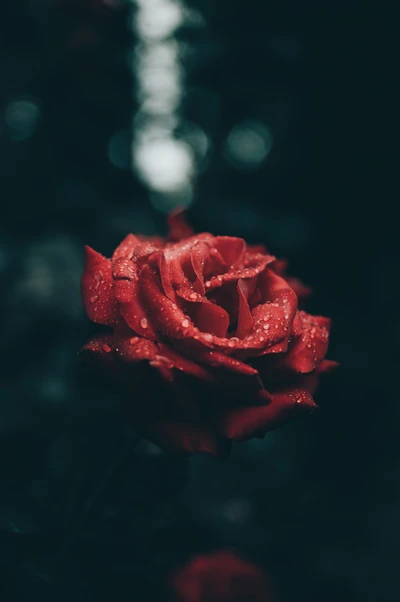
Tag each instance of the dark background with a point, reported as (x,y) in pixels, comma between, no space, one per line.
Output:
(316,503)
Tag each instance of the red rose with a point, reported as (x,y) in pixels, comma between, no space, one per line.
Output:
(220,577)
(219,323)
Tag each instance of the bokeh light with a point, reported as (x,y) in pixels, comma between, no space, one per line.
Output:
(164,161)
(21,117)
(248,144)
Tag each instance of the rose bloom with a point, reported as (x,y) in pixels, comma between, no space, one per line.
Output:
(220,577)
(207,344)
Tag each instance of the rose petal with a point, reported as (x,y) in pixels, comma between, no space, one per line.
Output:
(171,321)
(97,289)
(132,348)
(249,271)
(302,290)
(126,248)
(273,319)
(143,251)
(257,249)
(103,346)
(165,274)
(310,348)
(279,266)
(99,356)
(174,436)
(231,248)
(126,290)
(215,263)
(199,256)
(184,364)
(327,366)
(166,315)
(209,318)
(245,319)
(246,422)
(220,360)
(178,226)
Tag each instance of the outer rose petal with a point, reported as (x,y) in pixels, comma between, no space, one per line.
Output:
(184,364)
(102,346)
(311,346)
(215,359)
(127,294)
(126,248)
(131,348)
(302,290)
(97,289)
(246,422)
(174,436)
(100,356)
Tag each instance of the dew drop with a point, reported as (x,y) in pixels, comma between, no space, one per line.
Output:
(107,348)
(267,326)
(133,340)
(185,323)
(94,298)
(277,326)
(143,322)
(193,296)
(208,337)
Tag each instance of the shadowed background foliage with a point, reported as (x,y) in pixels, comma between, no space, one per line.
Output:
(286,109)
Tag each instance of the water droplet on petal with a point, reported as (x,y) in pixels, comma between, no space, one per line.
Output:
(208,337)
(94,298)
(143,322)
(107,348)
(185,323)
(193,296)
